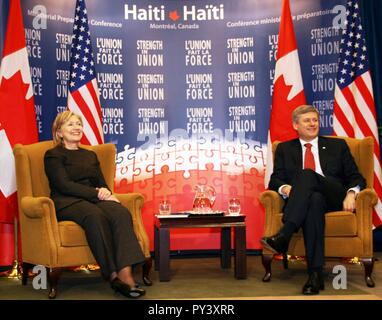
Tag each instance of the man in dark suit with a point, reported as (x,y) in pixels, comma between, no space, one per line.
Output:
(315,175)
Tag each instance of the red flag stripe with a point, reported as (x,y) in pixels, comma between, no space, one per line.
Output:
(360,96)
(377,176)
(343,113)
(377,162)
(377,221)
(365,117)
(365,103)
(93,89)
(77,97)
(85,140)
(368,82)
(361,123)
(88,131)
(347,128)
(362,87)
(377,184)
(377,152)
(92,103)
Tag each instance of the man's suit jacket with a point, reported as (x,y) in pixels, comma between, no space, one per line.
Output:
(336,161)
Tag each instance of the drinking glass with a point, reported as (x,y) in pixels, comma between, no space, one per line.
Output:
(234,207)
(164,207)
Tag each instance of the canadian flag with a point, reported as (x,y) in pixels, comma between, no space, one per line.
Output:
(17,120)
(288,88)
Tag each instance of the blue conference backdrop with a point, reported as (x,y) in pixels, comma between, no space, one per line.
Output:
(186,90)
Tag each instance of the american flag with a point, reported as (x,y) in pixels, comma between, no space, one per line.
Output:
(83,96)
(354,110)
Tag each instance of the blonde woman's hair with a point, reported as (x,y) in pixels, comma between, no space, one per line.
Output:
(61,119)
(302,110)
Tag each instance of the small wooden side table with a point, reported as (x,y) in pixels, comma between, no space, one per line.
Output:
(225,223)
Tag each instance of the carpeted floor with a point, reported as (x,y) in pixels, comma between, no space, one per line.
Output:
(203,278)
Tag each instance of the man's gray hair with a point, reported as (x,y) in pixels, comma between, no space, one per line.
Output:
(302,110)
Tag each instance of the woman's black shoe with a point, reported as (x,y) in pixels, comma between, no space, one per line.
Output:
(119,286)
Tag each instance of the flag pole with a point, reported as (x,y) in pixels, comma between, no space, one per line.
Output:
(15,272)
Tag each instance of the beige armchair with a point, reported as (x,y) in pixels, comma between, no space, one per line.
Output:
(53,244)
(346,234)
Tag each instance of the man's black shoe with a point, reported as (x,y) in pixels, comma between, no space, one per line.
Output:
(314,284)
(277,243)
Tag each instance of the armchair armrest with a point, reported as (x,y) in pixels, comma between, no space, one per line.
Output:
(273,204)
(33,207)
(134,203)
(39,222)
(364,204)
(272,201)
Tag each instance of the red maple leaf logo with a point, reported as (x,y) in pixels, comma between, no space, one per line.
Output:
(17,114)
(174,15)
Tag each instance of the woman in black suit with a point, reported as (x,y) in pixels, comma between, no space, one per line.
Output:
(80,194)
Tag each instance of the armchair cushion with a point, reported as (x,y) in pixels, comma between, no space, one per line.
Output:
(71,234)
(337,224)
(340,224)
